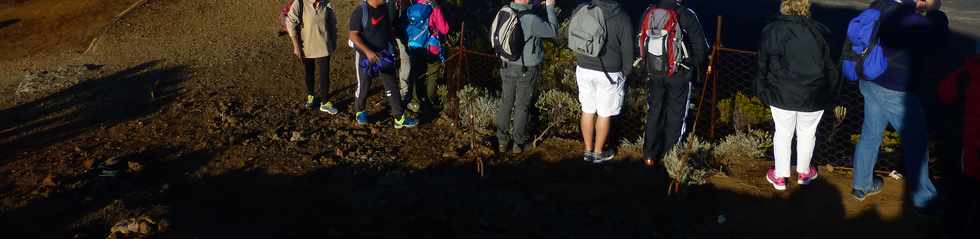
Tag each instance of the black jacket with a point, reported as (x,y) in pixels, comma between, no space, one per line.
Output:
(694,38)
(796,71)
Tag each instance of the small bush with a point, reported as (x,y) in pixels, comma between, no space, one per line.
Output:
(477,108)
(635,146)
(750,111)
(691,162)
(559,110)
(743,145)
(890,140)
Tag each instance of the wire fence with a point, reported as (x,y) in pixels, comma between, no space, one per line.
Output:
(729,105)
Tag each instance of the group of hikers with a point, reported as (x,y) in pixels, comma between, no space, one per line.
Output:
(797,78)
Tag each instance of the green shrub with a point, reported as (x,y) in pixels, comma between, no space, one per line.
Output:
(691,162)
(743,145)
(559,110)
(750,111)
(634,146)
(890,140)
(477,108)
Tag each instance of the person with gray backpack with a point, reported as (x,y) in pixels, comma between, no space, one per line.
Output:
(516,37)
(673,51)
(601,35)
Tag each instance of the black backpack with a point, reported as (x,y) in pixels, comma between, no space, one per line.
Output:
(507,34)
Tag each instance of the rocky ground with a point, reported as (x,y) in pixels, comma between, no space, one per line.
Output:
(183,121)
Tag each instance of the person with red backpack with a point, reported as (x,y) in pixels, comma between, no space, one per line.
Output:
(424,27)
(798,80)
(372,37)
(312,28)
(673,50)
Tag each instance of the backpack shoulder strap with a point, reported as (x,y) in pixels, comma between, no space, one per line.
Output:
(365,15)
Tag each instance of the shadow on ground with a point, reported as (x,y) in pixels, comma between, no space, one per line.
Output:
(128,94)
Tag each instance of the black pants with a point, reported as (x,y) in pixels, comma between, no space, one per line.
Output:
(309,68)
(387,76)
(668,98)
(423,77)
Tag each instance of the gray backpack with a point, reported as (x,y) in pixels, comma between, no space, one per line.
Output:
(587,31)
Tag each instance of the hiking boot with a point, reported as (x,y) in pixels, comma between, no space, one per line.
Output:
(779,183)
(603,157)
(876,185)
(361,118)
(502,147)
(588,156)
(520,148)
(327,107)
(310,102)
(650,163)
(806,178)
(405,122)
(413,106)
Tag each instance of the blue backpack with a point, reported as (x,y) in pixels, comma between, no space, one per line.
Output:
(863,57)
(418,25)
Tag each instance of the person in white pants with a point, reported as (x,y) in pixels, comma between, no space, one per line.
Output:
(798,80)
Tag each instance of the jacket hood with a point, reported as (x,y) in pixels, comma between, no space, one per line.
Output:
(670,4)
(609,7)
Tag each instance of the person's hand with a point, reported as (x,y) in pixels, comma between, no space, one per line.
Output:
(298,51)
(549,2)
(371,56)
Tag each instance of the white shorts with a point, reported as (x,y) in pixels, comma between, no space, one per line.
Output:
(596,93)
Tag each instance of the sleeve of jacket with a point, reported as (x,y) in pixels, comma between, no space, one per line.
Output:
(538,27)
(698,44)
(292,18)
(438,21)
(626,42)
(331,28)
(763,64)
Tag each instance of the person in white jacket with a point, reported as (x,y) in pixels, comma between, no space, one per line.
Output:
(312,28)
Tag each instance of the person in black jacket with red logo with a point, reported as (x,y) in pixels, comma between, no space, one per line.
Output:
(798,80)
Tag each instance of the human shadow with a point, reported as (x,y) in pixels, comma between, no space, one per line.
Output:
(8,22)
(62,211)
(531,198)
(119,97)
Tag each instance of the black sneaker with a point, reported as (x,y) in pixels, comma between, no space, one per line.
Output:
(876,185)
(604,156)
(502,147)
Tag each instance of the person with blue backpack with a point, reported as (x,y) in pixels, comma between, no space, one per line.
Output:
(372,37)
(798,80)
(425,27)
(883,51)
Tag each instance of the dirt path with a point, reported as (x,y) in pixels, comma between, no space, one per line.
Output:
(196,105)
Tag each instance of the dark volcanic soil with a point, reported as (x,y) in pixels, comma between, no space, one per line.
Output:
(194,106)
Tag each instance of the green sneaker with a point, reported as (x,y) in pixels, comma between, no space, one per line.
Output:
(405,122)
(309,102)
(327,107)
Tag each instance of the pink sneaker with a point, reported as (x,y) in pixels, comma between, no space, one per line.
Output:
(806,178)
(777,182)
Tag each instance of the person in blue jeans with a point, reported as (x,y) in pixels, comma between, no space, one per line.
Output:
(905,35)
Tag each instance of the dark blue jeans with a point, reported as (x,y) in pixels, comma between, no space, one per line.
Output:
(904,112)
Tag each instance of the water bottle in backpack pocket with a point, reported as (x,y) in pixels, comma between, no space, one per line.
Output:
(661,42)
